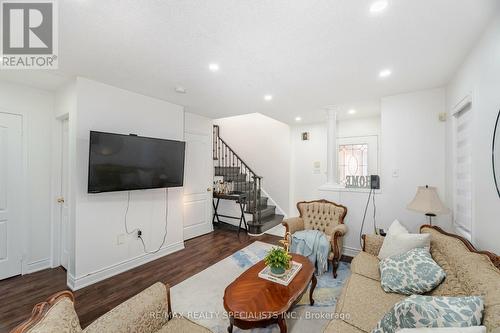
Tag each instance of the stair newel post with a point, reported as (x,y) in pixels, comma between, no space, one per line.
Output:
(257,202)
(215,135)
(225,163)
(248,189)
(239,170)
(254,198)
(219,152)
(225,159)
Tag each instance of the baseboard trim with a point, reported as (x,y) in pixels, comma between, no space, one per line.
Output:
(75,283)
(38,265)
(350,251)
(197,230)
(275,232)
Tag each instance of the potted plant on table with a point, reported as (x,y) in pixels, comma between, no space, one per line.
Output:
(278,260)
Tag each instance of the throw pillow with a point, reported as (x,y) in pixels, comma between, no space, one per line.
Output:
(428,311)
(413,272)
(398,240)
(472,329)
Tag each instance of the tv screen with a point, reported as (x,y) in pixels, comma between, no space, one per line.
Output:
(128,162)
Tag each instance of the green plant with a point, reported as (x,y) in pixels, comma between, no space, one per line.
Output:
(277,257)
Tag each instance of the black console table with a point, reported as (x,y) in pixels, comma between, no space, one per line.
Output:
(239,198)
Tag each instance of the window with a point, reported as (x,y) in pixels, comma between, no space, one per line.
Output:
(353,161)
(462,208)
(357,157)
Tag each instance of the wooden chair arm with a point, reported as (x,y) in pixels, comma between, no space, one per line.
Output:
(40,310)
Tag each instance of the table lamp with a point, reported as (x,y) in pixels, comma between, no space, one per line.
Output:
(427,201)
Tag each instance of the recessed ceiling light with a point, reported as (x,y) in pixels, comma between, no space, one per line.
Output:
(298,118)
(180,90)
(268,97)
(351,111)
(378,6)
(213,67)
(385,73)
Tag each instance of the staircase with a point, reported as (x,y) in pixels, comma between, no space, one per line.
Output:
(233,169)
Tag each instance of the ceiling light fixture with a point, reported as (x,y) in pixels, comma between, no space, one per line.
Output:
(385,73)
(378,6)
(298,118)
(351,111)
(268,97)
(180,90)
(213,67)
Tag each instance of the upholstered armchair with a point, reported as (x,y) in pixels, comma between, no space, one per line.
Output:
(325,216)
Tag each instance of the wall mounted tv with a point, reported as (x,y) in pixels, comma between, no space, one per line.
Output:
(128,162)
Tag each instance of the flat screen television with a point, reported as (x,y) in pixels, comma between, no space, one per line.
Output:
(128,162)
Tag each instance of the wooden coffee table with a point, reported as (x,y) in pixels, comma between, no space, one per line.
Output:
(255,302)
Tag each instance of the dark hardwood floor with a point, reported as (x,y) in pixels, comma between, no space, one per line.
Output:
(19,294)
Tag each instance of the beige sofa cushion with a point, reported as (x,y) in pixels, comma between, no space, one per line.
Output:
(363,302)
(146,312)
(182,325)
(471,273)
(367,265)
(60,318)
(451,285)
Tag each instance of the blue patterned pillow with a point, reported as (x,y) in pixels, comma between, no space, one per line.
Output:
(428,311)
(413,272)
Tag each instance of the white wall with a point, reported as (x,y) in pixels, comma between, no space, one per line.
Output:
(306,181)
(264,144)
(36,106)
(413,150)
(99,218)
(411,142)
(480,76)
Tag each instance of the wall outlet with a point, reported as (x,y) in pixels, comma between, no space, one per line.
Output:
(395,173)
(138,234)
(317,167)
(120,239)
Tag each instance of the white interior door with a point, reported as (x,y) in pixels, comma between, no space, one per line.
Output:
(64,195)
(198,185)
(11,180)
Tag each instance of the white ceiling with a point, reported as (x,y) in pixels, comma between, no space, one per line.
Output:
(307,53)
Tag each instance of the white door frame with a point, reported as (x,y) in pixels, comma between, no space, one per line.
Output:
(55,208)
(25,232)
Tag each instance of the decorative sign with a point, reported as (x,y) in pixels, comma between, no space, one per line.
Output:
(357,181)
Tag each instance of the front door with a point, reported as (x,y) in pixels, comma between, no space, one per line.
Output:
(11,187)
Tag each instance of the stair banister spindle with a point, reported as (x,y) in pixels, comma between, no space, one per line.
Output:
(233,168)
(259,196)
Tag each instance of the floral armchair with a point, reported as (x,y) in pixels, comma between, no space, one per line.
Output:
(325,216)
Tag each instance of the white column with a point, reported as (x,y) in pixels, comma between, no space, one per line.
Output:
(331,154)
(331,147)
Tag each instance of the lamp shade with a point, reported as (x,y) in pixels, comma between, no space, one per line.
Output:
(427,201)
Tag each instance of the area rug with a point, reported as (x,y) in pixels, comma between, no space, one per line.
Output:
(199,298)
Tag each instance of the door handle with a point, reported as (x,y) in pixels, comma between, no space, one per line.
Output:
(60,200)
